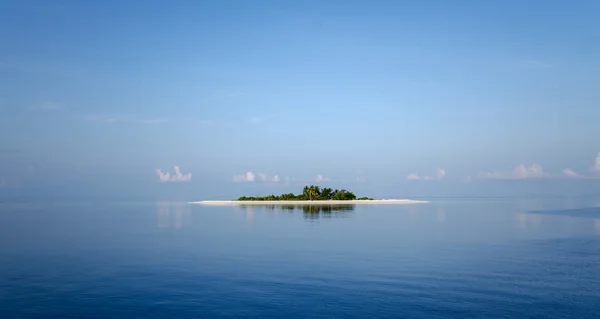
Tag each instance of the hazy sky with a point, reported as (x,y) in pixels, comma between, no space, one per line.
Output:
(109,96)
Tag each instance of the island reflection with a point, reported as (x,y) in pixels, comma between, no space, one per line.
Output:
(174,215)
(310,211)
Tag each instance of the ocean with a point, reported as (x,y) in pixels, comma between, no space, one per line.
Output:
(449,258)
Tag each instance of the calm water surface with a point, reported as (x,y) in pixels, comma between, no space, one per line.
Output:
(521,258)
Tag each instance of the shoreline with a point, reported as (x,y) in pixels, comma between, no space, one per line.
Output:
(308,202)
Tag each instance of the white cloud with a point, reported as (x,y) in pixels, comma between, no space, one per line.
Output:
(151,121)
(441,174)
(255,177)
(413,177)
(533,171)
(248,177)
(115,119)
(571,173)
(520,172)
(255,119)
(177,177)
(102,118)
(596,167)
(48,106)
(320,178)
(259,119)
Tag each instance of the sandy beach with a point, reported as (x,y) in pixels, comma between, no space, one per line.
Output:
(307,202)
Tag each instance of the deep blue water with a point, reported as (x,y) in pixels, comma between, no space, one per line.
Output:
(485,258)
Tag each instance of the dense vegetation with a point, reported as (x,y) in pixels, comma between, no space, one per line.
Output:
(311,192)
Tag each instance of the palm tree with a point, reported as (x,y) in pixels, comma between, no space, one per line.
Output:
(326,193)
(310,192)
(317,191)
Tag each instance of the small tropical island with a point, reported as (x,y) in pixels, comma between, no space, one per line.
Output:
(311,195)
(311,192)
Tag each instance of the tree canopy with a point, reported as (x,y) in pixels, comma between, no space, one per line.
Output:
(311,192)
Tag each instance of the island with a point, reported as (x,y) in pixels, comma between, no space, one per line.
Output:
(311,195)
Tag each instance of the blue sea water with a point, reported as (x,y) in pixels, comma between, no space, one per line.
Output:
(450,258)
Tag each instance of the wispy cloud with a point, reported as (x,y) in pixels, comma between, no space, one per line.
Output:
(248,177)
(571,173)
(177,177)
(102,118)
(440,174)
(115,119)
(255,119)
(520,172)
(595,169)
(533,171)
(321,178)
(258,177)
(48,106)
(413,177)
(151,121)
(360,179)
(258,119)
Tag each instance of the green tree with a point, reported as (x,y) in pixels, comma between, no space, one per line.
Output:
(311,192)
(326,193)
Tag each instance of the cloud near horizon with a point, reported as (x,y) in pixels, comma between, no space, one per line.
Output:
(175,178)
(257,177)
(248,177)
(520,172)
(413,177)
(321,178)
(114,119)
(440,174)
(567,172)
(571,173)
(251,177)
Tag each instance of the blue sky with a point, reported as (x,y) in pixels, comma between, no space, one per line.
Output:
(390,97)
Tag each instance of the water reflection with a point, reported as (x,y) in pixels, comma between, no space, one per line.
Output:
(173,215)
(441,215)
(309,211)
(526,220)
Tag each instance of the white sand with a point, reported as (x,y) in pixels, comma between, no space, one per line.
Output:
(308,202)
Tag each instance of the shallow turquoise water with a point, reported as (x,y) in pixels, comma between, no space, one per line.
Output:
(467,258)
